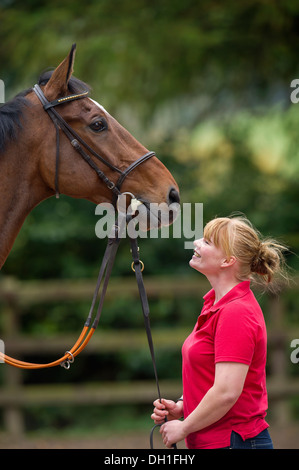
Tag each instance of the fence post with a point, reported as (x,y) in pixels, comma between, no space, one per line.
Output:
(13,415)
(279,366)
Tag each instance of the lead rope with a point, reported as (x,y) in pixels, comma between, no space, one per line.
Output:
(137,267)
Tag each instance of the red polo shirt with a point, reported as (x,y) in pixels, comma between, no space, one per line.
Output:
(232,330)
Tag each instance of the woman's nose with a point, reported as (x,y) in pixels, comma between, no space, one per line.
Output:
(198,243)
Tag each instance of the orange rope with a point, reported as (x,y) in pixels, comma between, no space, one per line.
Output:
(80,344)
(85,335)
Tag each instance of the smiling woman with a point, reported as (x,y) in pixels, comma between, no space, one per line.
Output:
(224,400)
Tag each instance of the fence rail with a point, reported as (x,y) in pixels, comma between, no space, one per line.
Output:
(14,395)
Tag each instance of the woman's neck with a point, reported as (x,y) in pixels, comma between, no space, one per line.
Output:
(222,285)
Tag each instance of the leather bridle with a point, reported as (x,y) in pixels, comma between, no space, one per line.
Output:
(79,144)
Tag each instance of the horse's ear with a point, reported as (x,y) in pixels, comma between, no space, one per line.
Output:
(58,83)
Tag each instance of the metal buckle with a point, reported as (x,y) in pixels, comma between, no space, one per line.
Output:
(67,363)
(140,262)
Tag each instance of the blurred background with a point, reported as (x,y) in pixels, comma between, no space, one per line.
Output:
(206,85)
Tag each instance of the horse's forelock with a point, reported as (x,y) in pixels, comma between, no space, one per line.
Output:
(74,84)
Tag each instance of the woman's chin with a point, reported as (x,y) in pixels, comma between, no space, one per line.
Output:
(193,263)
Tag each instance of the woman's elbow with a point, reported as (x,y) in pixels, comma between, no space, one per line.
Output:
(229,396)
(232,398)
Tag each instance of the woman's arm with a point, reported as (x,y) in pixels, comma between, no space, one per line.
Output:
(228,386)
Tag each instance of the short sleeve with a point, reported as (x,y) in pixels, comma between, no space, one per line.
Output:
(235,335)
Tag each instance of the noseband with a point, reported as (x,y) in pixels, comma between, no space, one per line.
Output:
(78,143)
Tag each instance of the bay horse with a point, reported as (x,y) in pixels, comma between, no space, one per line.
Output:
(38,160)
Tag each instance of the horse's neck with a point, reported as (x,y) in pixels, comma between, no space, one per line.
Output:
(18,196)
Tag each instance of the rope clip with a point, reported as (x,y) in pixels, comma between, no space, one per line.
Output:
(67,363)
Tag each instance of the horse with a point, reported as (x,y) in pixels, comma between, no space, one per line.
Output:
(55,139)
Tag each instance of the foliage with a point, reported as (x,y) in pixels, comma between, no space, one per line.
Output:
(207,85)
(145,53)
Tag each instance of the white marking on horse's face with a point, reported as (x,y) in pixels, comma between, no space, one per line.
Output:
(99,105)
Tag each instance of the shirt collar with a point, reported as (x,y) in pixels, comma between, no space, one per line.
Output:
(235,293)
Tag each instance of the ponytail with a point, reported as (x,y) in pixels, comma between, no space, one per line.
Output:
(268,260)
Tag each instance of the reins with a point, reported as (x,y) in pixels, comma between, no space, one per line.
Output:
(92,320)
(90,326)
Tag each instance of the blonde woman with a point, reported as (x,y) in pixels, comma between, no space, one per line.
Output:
(224,398)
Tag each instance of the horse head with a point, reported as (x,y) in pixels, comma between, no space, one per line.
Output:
(40,155)
(150,181)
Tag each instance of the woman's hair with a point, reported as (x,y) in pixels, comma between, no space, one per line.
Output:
(237,237)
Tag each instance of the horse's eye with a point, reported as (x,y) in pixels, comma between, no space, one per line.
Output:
(99,125)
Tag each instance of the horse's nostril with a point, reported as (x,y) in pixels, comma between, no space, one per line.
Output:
(173,196)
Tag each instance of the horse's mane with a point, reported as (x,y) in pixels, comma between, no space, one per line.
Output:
(11,112)
(10,118)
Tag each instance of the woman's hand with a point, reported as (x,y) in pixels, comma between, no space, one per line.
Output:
(172,432)
(166,408)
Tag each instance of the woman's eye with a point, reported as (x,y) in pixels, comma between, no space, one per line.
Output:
(99,125)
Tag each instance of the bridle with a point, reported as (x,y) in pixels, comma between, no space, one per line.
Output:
(92,320)
(79,144)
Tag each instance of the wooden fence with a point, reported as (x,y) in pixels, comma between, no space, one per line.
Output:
(14,395)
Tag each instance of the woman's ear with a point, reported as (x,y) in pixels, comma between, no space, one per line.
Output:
(229,261)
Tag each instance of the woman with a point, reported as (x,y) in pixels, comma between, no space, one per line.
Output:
(224,398)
